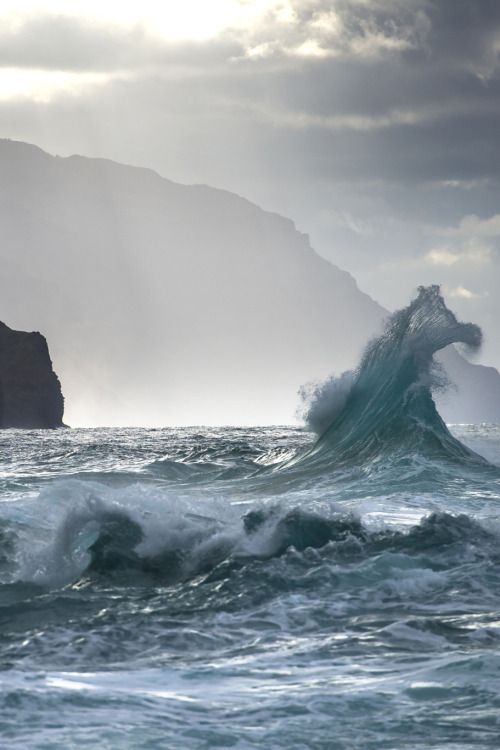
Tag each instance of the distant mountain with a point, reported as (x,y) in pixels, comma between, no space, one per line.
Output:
(172,304)
(474,395)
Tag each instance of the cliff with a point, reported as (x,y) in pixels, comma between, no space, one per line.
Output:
(169,304)
(30,392)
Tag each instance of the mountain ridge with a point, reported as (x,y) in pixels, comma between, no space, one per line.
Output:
(168,303)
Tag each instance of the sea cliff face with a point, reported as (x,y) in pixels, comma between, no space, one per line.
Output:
(30,391)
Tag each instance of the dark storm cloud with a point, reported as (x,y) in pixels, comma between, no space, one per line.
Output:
(465,30)
(388,62)
(398,92)
(341,28)
(427,109)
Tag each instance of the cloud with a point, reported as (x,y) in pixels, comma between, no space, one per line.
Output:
(473,253)
(473,226)
(442,257)
(463,293)
(74,43)
(466,33)
(305,65)
(44,41)
(337,29)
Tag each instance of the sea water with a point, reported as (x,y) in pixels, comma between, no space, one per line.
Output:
(259,587)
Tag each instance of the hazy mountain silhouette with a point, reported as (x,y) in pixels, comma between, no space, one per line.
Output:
(169,304)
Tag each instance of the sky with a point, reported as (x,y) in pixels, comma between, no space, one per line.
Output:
(373,124)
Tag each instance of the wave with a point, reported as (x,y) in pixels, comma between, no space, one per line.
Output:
(270,533)
(141,536)
(386,407)
(170,526)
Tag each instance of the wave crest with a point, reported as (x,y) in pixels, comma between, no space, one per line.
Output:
(386,406)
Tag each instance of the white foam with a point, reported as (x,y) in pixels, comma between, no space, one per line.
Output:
(322,402)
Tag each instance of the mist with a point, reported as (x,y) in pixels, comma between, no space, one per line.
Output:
(168,304)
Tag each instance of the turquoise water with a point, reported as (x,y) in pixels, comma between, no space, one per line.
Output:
(257,587)
(369,622)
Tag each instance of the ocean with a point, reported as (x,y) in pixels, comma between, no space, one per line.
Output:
(260,587)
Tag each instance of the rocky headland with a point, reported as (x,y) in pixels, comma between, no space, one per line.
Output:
(30,391)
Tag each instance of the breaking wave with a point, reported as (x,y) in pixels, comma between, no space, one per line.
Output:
(141,537)
(386,407)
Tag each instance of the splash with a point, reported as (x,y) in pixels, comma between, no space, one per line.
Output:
(323,402)
(389,409)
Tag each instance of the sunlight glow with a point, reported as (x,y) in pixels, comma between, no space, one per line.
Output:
(193,19)
(42,86)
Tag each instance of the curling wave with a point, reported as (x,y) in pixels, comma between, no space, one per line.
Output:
(389,409)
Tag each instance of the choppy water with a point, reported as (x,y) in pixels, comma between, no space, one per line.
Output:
(254,588)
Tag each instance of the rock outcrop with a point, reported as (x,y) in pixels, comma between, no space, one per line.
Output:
(30,391)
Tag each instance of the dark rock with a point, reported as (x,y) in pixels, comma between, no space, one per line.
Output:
(30,391)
